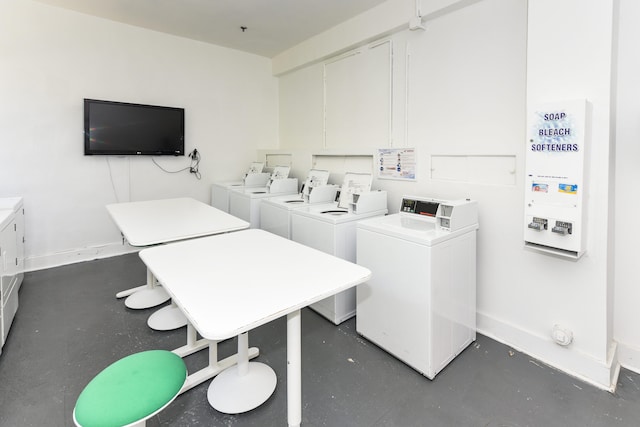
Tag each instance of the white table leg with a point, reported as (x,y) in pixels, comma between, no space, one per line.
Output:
(215,366)
(128,292)
(148,297)
(294,369)
(242,387)
(167,318)
(193,344)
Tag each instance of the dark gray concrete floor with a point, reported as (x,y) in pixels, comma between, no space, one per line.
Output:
(70,326)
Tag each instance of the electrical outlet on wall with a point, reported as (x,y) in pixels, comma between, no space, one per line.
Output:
(561,335)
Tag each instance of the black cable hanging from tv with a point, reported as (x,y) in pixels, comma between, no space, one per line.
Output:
(192,168)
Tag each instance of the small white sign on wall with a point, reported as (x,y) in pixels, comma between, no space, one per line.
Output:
(554,181)
(396,163)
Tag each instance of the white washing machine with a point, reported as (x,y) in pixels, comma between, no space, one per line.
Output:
(331,229)
(245,203)
(275,212)
(253,178)
(420,303)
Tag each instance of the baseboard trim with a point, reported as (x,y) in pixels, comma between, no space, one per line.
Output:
(629,357)
(602,374)
(58,259)
(584,367)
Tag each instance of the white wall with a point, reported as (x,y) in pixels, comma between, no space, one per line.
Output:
(460,89)
(627,180)
(52,59)
(579,294)
(301,108)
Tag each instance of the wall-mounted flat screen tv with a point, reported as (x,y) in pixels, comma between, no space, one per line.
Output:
(121,128)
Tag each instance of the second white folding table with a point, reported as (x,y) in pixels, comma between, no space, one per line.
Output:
(153,222)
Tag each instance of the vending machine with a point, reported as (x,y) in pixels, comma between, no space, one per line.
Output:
(555,178)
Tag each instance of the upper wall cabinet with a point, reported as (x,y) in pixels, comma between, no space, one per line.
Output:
(357,98)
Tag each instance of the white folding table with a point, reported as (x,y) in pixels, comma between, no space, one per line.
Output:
(229,284)
(153,222)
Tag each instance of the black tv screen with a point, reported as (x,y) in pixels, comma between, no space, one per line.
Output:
(121,128)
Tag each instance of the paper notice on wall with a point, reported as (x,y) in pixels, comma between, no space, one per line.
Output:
(397,163)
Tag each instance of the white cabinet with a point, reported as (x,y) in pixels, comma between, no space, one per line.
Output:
(11,261)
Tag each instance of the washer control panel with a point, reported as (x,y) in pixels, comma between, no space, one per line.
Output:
(449,215)
(419,207)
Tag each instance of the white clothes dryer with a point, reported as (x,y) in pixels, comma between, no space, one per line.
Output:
(420,303)
(333,230)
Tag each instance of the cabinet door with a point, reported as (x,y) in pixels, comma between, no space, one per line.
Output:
(19,228)
(8,250)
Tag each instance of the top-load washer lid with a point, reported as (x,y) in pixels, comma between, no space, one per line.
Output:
(332,214)
(416,224)
(255,190)
(335,212)
(400,224)
(285,201)
(411,229)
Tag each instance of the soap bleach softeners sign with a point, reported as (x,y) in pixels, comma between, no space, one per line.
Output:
(554,180)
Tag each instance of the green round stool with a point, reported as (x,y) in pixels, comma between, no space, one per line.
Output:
(131,390)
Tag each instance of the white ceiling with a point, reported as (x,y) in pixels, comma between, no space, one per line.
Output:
(272,25)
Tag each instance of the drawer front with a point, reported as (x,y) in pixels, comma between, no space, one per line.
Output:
(9,309)
(6,287)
